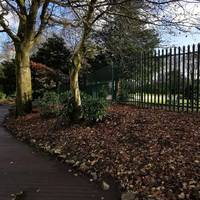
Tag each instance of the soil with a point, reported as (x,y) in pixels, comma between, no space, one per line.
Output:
(153,153)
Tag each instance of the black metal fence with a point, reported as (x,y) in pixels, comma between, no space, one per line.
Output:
(166,78)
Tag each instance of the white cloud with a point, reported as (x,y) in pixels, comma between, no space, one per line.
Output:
(188,13)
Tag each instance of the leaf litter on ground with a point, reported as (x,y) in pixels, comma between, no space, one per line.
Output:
(153,153)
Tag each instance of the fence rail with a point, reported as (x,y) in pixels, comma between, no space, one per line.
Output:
(167,79)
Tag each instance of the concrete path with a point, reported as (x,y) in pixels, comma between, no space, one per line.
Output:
(40,177)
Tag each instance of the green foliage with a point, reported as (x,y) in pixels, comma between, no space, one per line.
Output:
(94,109)
(2,95)
(53,104)
(122,40)
(67,109)
(49,104)
(53,53)
(104,91)
(8,77)
(64,97)
(1,73)
(125,89)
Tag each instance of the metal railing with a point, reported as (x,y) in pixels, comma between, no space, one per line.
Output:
(165,78)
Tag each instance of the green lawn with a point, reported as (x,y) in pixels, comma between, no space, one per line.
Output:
(158,99)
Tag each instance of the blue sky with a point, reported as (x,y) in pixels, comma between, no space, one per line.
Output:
(168,40)
(189,14)
(180,39)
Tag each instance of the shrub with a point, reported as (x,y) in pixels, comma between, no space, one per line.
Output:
(94,109)
(49,104)
(53,104)
(104,91)
(2,95)
(65,99)
(124,91)
(7,77)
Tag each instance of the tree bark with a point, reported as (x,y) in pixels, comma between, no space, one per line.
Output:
(74,86)
(117,89)
(23,80)
(77,61)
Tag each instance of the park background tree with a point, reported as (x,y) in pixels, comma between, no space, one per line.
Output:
(122,38)
(53,53)
(7,77)
(147,16)
(33,16)
(31,19)
(53,60)
(94,14)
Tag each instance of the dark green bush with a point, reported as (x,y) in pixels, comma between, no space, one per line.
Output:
(93,108)
(67,106)
(104,91)
(7,77)
(124,91)
(53,104)
(64,97)
(2,95)
(49,104)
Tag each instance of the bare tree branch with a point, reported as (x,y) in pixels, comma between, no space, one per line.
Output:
(7,29)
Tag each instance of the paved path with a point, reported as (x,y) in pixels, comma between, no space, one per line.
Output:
(39,176)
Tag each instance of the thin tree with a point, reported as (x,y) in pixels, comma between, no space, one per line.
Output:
(94,12)
(88,13)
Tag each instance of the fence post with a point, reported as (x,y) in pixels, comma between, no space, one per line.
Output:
(192,77)
(113,82)
(166,78)
(158,77)
(188,78)
(170,78)
(198,57)
(179,75)
(183,81)
(174,80)
(162,89)
(155,78)
(142,79)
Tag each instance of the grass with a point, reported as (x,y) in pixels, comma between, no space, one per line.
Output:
(160,100)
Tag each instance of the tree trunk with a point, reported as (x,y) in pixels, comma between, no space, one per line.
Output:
(117,89)
(23,80)
(74,85)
